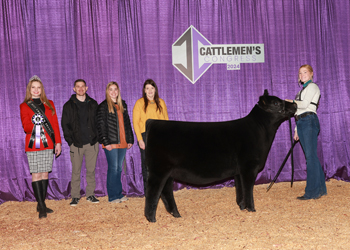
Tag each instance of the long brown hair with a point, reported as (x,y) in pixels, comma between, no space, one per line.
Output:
(110,103)
(43,97)
(156,96)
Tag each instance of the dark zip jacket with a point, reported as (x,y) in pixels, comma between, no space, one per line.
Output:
(70,121)
(108,125)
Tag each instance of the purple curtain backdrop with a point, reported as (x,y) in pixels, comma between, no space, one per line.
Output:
(130,41)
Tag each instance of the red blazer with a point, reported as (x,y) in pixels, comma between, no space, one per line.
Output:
(26,117)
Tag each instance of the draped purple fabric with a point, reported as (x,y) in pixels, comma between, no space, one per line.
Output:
(130,41)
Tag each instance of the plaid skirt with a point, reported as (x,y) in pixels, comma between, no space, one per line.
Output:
(40,161)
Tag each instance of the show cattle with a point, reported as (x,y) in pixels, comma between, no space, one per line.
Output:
(201,153)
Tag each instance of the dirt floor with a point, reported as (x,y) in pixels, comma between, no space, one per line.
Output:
(210,220)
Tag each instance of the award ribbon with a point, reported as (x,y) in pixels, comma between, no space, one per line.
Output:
(45,124)
(38,132)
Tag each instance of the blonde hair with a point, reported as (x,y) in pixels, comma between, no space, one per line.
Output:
(110,103)
(43,97)
(309,68)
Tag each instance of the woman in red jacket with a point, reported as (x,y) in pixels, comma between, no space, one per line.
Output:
(39,121)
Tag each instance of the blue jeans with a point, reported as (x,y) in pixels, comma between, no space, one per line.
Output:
(115,159)
(308,129)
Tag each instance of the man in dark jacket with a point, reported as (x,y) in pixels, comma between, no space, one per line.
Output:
(79,129)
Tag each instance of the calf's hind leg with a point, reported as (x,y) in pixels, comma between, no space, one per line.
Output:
(167,197)
(154,187)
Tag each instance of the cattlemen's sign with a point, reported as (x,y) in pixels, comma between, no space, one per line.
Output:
(193,54)
(228,50)
(239,53)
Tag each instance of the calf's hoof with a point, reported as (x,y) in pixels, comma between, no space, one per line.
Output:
(176,214)
(242,206)
(151,219)
(251,210)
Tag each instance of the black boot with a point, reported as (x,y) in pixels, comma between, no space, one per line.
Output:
(38,188)
(45,183)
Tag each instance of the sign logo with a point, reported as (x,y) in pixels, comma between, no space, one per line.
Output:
(193,54)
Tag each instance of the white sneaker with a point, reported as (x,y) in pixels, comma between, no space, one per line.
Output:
(116,201)
(124,199)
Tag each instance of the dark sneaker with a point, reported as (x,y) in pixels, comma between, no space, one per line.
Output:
(92,199)
(74,202)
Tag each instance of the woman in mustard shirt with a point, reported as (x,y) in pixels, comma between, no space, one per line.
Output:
(150,106)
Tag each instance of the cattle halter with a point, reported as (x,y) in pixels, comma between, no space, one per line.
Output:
(290,152)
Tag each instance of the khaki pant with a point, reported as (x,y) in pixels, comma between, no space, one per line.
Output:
(76,157)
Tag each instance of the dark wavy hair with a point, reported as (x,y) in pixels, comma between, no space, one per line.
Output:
(156,96)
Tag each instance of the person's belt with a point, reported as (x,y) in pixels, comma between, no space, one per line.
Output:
(298,117)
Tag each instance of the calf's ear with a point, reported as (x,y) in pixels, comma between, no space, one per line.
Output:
(262,101)
(266,92)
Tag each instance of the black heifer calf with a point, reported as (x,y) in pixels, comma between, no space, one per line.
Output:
(205,152)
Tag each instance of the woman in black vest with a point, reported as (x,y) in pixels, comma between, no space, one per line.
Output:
(115,135)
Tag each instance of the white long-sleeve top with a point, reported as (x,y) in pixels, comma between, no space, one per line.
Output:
(310,94)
